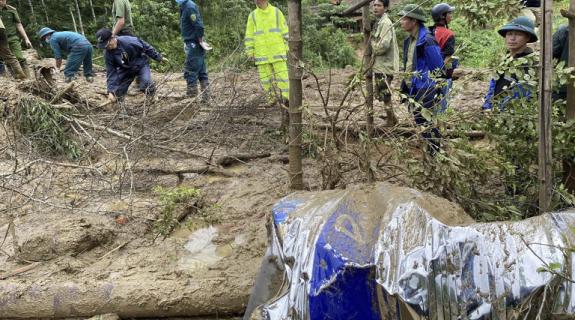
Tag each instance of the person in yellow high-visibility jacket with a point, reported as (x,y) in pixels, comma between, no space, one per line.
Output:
(265,42)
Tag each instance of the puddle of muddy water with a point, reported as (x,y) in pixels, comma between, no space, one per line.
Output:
(201,252)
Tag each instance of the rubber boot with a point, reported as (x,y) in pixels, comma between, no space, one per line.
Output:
(205,89)
(390,118)
(192,91)
(25,68)
(17,70)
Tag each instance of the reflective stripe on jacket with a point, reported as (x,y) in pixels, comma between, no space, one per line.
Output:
(266,34)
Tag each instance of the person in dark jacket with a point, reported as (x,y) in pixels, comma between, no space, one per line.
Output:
(532,10)
(192,29)
(422,58)
(126,59)
(518,33)
(75,46)
(442,15)
(561,53)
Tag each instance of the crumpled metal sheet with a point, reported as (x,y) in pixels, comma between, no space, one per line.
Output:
(385,252)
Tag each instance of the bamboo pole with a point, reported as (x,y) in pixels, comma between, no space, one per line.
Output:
(79,16)
(73,20)
(569,164)
(546,78)
(295,94)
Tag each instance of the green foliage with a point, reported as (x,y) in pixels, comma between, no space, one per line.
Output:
(311,144)
(206,217)
(169,199)
(484,13)
(46,128)
(327,47)
(496,179)
(477,48)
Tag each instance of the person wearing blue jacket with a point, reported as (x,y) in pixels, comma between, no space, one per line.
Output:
(506,88)
(75,46)
(126,59)
(422,59)
(192,29)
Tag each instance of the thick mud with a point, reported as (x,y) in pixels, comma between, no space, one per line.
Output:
(79,237)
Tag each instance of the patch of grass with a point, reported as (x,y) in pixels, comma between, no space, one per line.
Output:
(170,199)
(207,216)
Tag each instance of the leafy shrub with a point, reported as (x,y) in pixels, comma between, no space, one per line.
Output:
(46,128)
(169,199)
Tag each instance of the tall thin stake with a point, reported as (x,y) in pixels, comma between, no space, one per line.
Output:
(295,94)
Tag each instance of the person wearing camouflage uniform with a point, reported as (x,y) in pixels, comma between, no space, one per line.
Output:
(15,33)
(7,55)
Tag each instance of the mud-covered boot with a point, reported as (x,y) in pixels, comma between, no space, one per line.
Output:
(25,68)
(192,91)
(205,88)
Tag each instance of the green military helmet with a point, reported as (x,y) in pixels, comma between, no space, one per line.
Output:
(44,32)
(413,11)
(523,24)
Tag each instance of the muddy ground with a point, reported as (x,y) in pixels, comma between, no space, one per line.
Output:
(79,237)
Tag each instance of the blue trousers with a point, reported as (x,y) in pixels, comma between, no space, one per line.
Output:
(427,98)
(445,96)
(195,66)
(145,78)
(79,55)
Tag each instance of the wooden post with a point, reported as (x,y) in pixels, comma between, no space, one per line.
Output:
(366,26)
(546,78)
(295,94)
(569,164)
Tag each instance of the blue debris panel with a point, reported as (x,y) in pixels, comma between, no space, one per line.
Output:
(386,252)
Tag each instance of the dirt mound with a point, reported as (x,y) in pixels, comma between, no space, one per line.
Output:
(49,236)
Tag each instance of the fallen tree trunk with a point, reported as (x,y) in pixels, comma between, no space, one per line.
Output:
(127,298)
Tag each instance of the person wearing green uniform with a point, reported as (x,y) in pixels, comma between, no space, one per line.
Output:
(122,13)
(15,32)
(7,55)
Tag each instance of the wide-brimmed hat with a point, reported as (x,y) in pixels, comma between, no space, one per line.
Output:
(413,11)
(523,24)
(103,36)
(44,32)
